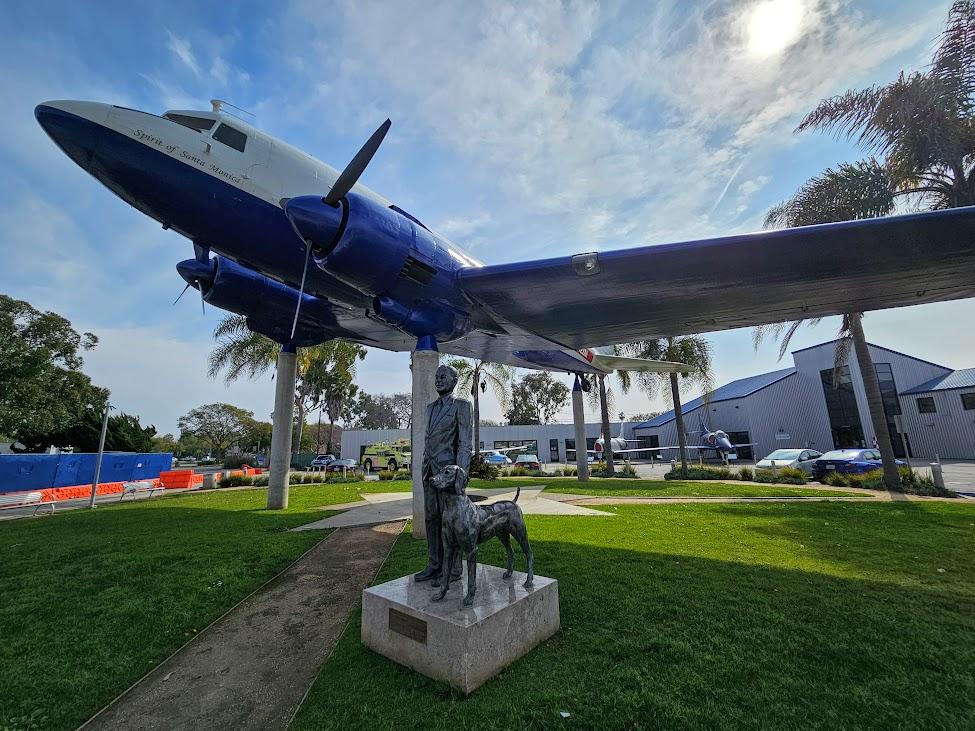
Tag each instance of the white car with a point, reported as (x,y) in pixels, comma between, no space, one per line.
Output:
(802,459)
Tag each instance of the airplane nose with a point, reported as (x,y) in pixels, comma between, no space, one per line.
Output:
(74,127)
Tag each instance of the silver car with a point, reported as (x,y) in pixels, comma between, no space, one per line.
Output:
(802,459)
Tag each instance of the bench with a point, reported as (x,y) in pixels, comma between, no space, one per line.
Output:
(24,500)
(135,488)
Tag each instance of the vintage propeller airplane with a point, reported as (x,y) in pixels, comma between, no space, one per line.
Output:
(307,254)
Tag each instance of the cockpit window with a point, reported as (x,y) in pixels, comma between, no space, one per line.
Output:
(231,137)
(200,124)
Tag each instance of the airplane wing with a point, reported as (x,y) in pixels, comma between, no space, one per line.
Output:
(736,281)
(504,450)
(625,451)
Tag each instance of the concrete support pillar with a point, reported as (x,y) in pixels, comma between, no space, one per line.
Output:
(579,421)
(424,367)
(281,429)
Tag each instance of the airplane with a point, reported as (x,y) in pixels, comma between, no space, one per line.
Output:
(382,278)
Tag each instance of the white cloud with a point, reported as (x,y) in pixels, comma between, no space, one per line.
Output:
(183,50)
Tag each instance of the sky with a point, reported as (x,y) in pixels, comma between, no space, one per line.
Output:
(520,131)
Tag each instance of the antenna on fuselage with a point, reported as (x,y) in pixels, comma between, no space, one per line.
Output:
(219,104)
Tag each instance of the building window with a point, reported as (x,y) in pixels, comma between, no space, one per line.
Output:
(553,450)
(841,405)
(230,137)
(892,404)
(570,448)
(925,405)
(200,124)
(968,401)
(530,447)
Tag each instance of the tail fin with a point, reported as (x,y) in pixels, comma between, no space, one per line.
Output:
(517,493)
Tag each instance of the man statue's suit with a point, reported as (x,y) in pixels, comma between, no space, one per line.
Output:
(447,442)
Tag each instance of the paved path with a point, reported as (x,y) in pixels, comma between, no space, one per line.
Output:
(386,506)
(252,667)
(62,505)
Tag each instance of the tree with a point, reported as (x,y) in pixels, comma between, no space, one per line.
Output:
(402,406)
(327,378)
(379,411)
(602,399)
(921,126)
(536,399)
(43,389)
(124,434)
(475,376)
(240,352)
(219,425)
(693,350)
(165,443)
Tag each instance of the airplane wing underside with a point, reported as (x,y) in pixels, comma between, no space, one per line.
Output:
(738,281)
(536,352)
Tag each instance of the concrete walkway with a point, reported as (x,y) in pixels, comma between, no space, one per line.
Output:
(386,506)
(252,667)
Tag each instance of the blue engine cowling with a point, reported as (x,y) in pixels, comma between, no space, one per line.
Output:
(268,304)
(407,269)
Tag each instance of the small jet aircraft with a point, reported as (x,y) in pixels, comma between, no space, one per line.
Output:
(307,254)
(717,440)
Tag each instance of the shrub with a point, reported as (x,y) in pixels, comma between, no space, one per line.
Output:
(626,472)
(700,473)
(260,480)
(236,481)
(235,462)
(339,477)
(834,479)
(295,478)
(311,478)
(402,475)
(384,475)
(570,471)
(746,473)
(481,469)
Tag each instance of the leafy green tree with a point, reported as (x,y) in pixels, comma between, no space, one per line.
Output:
(919,133)
(693,350)
(165,443)
(43,389)
(536,399)
(124,434)
(327,379)
(218,425)
(476,376)
(242,353)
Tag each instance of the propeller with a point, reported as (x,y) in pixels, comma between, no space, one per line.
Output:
(343,184)
(348,177)
(190,270)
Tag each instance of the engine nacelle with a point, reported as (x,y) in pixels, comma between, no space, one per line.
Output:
(268,304)
(423,317)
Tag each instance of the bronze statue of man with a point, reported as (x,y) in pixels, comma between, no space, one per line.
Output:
(447,442)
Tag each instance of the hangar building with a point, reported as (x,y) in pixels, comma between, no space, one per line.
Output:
(798,407)
(790,407)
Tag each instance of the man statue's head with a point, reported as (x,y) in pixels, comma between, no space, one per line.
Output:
(445,379)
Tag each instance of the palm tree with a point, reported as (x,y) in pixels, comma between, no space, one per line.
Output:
(328,378)
(922,127)
(476,376)
(241,352)
(602,398)
(693,350)
(861,190)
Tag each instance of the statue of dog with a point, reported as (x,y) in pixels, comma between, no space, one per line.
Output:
(467,525)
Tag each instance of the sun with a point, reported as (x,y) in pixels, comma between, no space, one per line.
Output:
(773,26)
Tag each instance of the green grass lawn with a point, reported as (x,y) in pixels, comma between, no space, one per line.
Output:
(826,615)
(91,600)
(617,487)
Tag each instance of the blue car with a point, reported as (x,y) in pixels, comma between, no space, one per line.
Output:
(847,461)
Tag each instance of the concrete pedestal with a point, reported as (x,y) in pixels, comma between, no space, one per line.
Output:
(462,646)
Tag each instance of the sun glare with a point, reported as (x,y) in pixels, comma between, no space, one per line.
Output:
(773,26)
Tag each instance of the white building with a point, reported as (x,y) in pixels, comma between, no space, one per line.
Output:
(791,407)
(798,407)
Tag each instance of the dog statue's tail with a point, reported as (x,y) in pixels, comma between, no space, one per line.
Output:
(517,493)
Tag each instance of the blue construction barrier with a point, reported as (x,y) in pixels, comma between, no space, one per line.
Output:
(19,472)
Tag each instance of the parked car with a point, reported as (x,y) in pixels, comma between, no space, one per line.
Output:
(849,460)
(801,459)
(321,461)
(528,461)
(497,458)
(342,465)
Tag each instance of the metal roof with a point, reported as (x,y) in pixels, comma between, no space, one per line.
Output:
(734,390)
(965,378)
(872,345)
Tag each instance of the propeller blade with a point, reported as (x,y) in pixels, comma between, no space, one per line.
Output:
(181,294)
(354,169)
(203,302)
(301,291)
